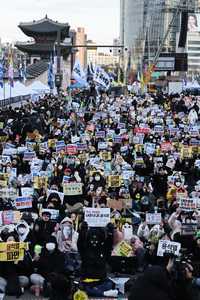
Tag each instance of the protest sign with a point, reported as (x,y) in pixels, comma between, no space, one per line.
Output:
(102,145)
(60,146)
(40,182)
(153,219)
(10,217)
(166,246)
(187,204)
(105,155)
(127,174)
(82,146)
(149,148)
(52,143)
(167,146)
(28,156)
(117,140)
(188,228)
(5,159)
(71,149)
(23,202)
(12,251)
(115,181)
(145,130)
(3,138)
(116,204)
(27,191)
(97,217)
(8,193)
(100,134)
(54,213)
(123,249)
(72,188)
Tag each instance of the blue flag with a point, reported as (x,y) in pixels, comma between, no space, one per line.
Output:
(1,74)
(50,76)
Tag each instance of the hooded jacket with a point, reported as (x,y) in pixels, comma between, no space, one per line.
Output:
(66,244)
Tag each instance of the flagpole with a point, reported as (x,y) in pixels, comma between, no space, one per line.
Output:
(4,91)
(10,93)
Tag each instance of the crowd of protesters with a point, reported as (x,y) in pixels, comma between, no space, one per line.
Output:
(138,156)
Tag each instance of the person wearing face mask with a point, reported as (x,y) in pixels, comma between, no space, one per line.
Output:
(25,234)
(14,274)
(49,263)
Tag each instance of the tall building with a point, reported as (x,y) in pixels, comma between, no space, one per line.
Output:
(193,44)
(116,51)
(132,17)
(92,53)
(81,39)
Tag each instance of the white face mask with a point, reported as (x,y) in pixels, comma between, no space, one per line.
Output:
(97,178)
(21,230)
(50,246)
(178,184)
(67,231)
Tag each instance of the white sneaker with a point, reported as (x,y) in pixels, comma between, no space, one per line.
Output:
(111,293)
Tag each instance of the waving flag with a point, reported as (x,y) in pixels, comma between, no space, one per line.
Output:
(78,74)
(10,69)
(51,74)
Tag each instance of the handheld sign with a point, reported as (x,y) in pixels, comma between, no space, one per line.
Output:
(153,219)
(97,217)
(166,246)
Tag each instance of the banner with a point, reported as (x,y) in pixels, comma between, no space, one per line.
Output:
(97,217)
(23,202)
(166,246)
(12,251)
(72,188)
(153,219)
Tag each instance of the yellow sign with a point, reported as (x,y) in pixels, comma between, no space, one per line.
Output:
(72,188)
(123,249)
(115,181)
(3,138)
(12,251)
(105,156)
(52,143)
(40,182)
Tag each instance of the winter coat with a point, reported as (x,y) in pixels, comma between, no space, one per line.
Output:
(66,244)
(50,263)
(154,284)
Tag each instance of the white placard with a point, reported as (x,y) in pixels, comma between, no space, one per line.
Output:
(27,191)
(97,217)
(153,219)
(188,204)
(166,246)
